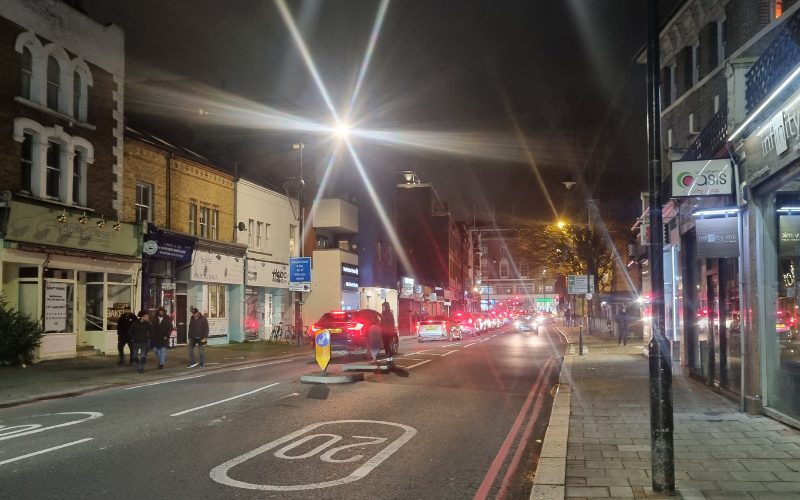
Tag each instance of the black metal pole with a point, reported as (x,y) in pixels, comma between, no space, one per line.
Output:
(661,422)
(298,305)
(580,340)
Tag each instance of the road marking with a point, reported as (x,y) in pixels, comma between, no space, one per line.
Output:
(165,382)
(473,343)
(413,359)
(220,473)
(449,353)
(223,400)
(92,416)
(421,363)
(41,452)
(288,396)
(262,364)
(497,463)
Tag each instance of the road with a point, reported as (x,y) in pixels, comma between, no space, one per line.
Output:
(447,423)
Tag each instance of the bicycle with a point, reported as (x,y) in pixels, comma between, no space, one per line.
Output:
(278,333)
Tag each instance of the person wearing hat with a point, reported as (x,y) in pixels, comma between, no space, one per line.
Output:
(141,333)
(198,334)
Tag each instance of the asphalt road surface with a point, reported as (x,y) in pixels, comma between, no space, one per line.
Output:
(454,420)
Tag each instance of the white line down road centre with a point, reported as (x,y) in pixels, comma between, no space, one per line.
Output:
(359,450)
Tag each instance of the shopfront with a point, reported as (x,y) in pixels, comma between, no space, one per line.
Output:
(164,253)
(266,299)
(74,273)
(215,286)
(772,158)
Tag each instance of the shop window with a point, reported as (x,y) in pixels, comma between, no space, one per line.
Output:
(193,219)
(59,305)
(26,164)
(216,302)
(118,298)
(62,274)
(27,72)
(95,306)
(144,202)
(53,178)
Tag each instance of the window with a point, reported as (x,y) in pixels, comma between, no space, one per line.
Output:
(292,239)
(53,82)
(26,164)
(722,40)
(76,97)
(266,236)
(27,72)
(216,302)
(77,178)
(692,124)
(378,253)
(214,224)
(716,103)
(251,228)
(669,138)
(203,222)
(524,270)
(777,8)
(695,64)
(53,183)
(504,269)
(193,219)
(259,229)
(144,202)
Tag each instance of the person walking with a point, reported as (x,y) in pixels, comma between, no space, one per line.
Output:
(622,325)
(123,334)
(162,329)
(141,334)
(388,331)
(198,335)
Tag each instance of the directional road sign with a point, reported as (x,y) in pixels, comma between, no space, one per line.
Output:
(322,347)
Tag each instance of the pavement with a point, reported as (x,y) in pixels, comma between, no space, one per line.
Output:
(603,407)
(457,420)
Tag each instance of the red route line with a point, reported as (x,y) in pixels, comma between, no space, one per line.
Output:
(497,463)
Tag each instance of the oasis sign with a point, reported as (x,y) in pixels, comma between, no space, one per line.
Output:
(701,178)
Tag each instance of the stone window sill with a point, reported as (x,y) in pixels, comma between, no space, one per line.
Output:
(57,114)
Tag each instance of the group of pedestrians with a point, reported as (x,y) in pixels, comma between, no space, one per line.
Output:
(141,334)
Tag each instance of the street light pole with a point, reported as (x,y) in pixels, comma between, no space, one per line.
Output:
(661,418)
(298,304)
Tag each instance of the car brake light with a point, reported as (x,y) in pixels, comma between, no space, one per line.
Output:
(357,327)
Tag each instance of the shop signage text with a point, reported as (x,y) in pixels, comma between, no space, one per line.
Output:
(349,283)
(701,178)
(349,270)
(55,307)
(775,144)
(159,245)
(212,267)
(267,274)
(717,238)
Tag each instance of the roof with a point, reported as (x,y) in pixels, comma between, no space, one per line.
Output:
(164,144)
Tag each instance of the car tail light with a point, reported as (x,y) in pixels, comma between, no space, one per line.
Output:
(356,327)
(315,329)
(470,321)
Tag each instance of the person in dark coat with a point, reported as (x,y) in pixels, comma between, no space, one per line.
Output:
(123,334)
(141,333)
(622,324)
(198,335)
(388,331)
(162,329)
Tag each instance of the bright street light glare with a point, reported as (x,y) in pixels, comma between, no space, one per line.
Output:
(342,130)
(561,224)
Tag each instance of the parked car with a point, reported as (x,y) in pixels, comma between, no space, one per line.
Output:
(349,329)
(438,328)
(466,321)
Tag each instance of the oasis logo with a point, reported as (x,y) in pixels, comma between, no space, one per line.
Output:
(688,180)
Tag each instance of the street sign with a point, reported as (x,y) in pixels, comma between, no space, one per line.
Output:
(299,269)
(300,287)
(322,348)
(577,284)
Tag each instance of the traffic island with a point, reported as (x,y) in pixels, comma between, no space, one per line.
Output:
(374,367)
(328,378)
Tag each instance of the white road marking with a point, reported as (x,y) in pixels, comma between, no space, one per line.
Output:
(421,363)
(92,416)
(412,359)
(470,344)
(223,400)
(262,364)
(41,452)
(449,353)
(165,382)
(288,396)
(220,473)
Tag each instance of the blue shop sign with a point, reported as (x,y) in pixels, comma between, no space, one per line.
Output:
(163,245)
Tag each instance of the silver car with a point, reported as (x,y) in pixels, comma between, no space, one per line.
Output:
(438,328)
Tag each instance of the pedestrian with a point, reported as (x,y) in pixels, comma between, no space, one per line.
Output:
(622,325)
(388,331)
(198,336)
(162,329)
(123,334)
(141,334)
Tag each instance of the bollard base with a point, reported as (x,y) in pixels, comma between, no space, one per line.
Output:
(325,378)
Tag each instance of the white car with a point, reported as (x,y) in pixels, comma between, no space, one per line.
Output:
(437,328)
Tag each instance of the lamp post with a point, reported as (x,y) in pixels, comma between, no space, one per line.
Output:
(298,301)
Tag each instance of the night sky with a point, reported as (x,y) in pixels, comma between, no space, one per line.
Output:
(562,71)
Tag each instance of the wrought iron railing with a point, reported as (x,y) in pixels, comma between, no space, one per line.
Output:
(710,140)
(781,57)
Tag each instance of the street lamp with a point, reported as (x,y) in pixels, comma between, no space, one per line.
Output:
(298,305)
(342,129)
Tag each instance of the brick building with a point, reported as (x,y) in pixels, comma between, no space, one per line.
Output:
(66,258)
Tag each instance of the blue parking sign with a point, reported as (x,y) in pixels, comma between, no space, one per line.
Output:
(299,269)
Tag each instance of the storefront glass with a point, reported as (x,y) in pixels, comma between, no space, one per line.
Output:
(59,300)
(252,316)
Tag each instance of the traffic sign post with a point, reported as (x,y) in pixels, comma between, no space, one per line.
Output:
(322,348)
(300,274)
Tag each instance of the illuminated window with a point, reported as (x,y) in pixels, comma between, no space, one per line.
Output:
(216,302)
(777,8)
(144,202)
(192,219)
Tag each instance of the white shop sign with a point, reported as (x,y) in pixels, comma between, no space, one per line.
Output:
(267,274)
(55,307)
(217,268)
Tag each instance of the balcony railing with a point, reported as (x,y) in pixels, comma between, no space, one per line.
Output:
(780,58)
(710,140)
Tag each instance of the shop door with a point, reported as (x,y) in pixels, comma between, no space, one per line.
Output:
(714,340)
(180,317)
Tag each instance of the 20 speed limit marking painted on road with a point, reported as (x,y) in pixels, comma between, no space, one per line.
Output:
(360,450)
